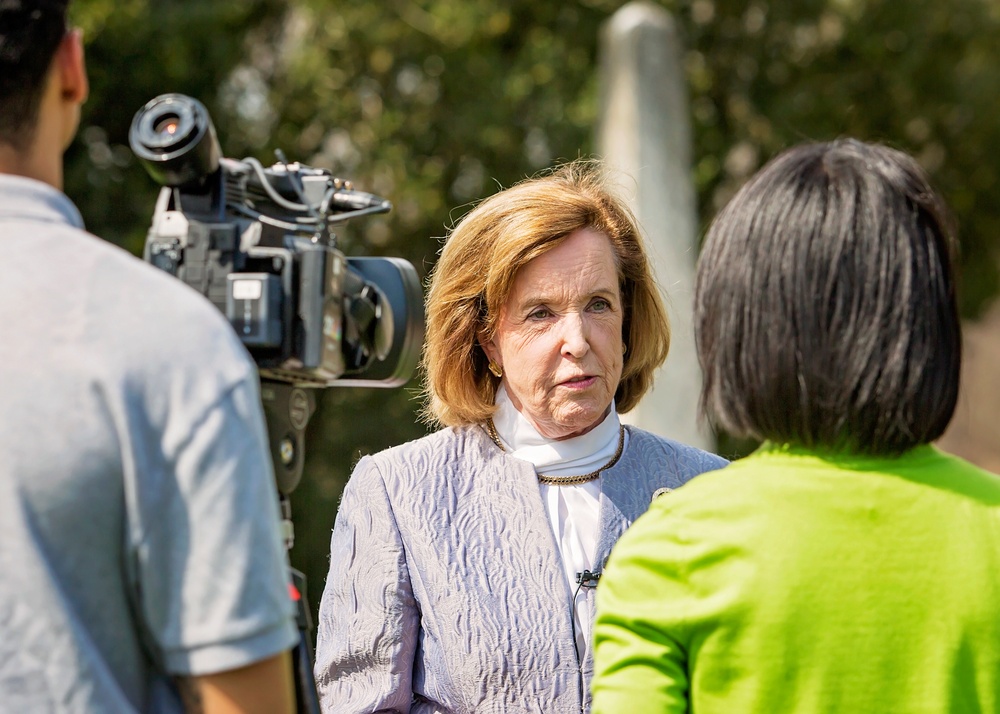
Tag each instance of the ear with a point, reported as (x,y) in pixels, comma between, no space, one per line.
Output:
(72,69)
(490,348)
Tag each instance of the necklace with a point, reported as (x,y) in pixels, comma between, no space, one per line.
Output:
(566,480)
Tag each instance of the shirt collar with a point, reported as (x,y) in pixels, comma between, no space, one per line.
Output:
(575,455)
(27,198)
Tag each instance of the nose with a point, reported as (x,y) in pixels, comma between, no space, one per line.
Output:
(575,339)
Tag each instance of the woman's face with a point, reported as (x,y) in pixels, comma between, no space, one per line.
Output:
(559,339)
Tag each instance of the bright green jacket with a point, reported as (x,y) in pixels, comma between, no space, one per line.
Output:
(793,582)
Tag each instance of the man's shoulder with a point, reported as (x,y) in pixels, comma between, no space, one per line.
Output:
(52,236)
(153,303)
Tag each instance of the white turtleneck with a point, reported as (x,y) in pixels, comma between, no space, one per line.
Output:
(573,510)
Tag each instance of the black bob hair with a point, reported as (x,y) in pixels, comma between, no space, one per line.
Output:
(825,309)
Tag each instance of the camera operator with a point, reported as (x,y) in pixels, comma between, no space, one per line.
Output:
(141,565)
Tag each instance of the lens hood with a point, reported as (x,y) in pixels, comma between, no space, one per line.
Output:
(174,138)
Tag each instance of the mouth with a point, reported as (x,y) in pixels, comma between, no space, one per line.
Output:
(580,382)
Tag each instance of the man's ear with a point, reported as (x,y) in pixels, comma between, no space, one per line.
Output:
(72,68)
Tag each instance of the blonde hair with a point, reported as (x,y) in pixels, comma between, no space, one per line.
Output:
(475,275)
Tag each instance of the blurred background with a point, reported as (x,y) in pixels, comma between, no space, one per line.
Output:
(435,104)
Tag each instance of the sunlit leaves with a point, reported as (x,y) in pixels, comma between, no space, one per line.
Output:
(438,103)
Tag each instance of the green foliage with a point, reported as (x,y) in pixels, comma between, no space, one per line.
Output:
(437,103)
(920,76)
(136,50)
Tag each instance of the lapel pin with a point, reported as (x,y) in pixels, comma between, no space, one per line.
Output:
(660,492)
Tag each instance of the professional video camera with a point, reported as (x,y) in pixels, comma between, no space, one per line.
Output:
(258,243)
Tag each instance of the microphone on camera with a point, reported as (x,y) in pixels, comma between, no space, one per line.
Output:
(347,199)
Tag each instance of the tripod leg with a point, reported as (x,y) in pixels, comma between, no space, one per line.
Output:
(306,697)
(288,409)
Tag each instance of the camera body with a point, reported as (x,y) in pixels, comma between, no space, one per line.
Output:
(257,242)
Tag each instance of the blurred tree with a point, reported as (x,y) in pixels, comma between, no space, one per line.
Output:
(919,76)
(137,49)
(437,103)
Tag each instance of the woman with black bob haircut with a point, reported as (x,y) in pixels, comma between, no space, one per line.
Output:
(847,564)
(826,312)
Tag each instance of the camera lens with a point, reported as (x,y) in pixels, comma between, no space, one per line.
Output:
(167,125)
(175,139)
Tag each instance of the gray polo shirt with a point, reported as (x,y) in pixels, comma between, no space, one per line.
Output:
(139,531)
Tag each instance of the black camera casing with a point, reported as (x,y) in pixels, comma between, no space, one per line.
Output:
(257,243)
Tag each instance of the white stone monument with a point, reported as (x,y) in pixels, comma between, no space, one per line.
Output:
(644,134)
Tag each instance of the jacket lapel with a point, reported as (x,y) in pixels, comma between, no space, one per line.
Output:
(624,497)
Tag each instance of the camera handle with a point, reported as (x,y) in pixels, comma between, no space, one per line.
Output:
(287,410)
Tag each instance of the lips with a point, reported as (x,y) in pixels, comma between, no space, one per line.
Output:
(581,381)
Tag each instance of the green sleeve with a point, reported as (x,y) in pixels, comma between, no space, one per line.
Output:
(640,655)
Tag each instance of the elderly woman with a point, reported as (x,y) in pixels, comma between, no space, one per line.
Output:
(463,564)
(847,565)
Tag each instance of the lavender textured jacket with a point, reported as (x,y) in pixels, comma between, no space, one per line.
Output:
(446,593)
